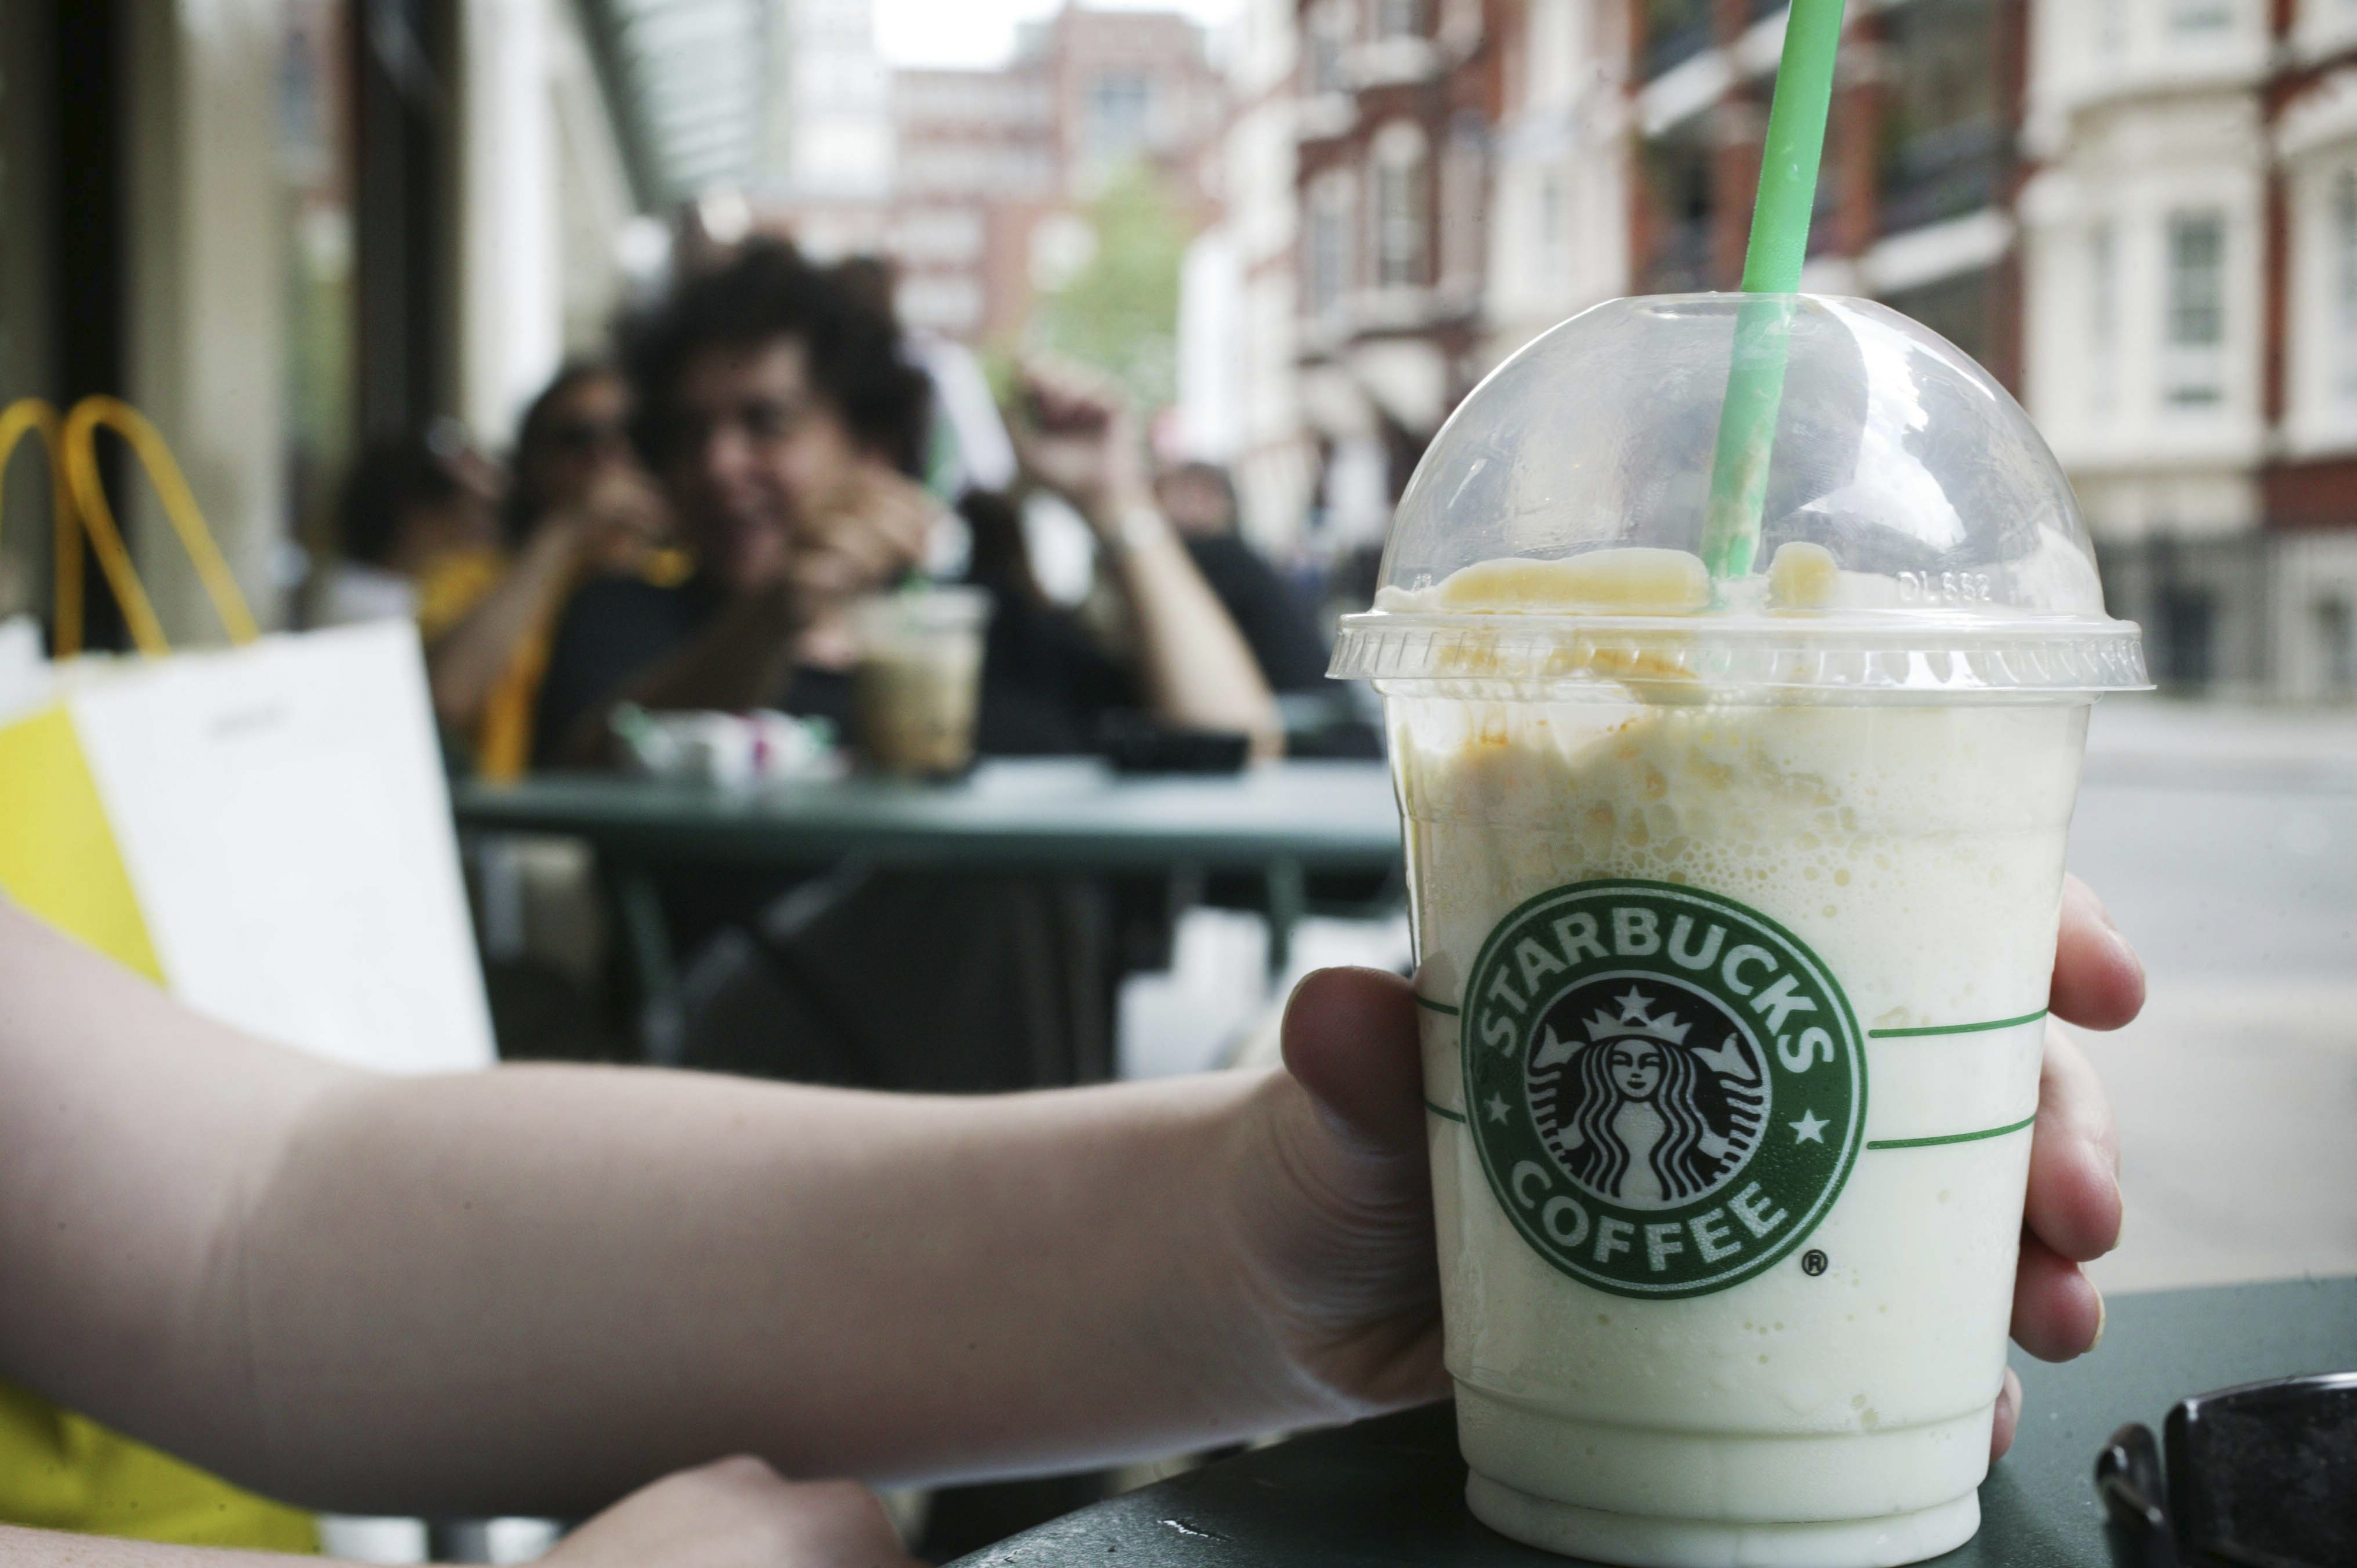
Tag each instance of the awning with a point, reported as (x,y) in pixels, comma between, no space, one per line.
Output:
(687,80)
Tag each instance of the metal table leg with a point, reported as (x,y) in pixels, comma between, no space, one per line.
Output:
(647,937)
(1288,900)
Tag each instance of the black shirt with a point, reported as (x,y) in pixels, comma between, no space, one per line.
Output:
(1045,686)
(1291,655)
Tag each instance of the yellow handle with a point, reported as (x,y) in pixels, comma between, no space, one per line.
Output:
(36,416)
(79,442)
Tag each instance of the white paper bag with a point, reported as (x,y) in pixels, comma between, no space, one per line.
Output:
(23,667)
(283,816)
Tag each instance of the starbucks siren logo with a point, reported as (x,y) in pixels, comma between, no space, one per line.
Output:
(1667,1090)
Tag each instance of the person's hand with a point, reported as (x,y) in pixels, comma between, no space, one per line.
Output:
(1337,1231)
(874,531)
(738,1513)
(618,518)
(2072,1214)
(1075,436)
(875,528)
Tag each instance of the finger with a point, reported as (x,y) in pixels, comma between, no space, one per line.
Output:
(2075,1157)
(1350,1040)
(2098,979)
(2009,1417)
(2056,1312)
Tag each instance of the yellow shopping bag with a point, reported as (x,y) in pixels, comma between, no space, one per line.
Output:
(59,861)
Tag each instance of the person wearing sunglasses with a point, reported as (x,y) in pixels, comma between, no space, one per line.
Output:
(579,505)
(541,1289)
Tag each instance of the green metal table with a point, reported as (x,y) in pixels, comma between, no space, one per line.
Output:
(1061,813)
(1391,1491)
(1279,821)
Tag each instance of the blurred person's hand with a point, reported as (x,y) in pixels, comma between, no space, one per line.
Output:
(867,536)
(1075,436)
(870,534)
(620,517)
(738,1513)
(1336,1196)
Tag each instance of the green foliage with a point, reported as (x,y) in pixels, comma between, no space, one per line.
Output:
(1119,312)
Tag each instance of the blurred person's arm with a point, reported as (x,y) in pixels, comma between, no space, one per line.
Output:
(532,1289)
(1078,439)
(466,663)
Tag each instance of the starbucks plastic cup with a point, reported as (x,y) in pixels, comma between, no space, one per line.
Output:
(1735,904)
(916,684)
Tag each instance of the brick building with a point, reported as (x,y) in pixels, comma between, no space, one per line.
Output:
(990,166)
(1914,201)
(978,168)
(1398,101)
(2140,214)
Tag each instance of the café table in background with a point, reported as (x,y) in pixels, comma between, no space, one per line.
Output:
(1284,825)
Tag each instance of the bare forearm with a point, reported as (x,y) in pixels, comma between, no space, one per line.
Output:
(131,1135)
(532,1289)
(1198,669)
(551,1284)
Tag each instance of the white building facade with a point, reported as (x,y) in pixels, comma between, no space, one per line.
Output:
(1560,214)
(2190,322)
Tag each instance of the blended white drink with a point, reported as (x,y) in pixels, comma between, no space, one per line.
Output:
(1735,903)
(1730,1147)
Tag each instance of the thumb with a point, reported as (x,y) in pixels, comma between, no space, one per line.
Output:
(1350,1040)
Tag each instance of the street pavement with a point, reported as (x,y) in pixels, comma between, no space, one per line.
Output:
(2224,843)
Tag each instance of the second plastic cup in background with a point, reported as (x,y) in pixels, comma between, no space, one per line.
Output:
(917,684)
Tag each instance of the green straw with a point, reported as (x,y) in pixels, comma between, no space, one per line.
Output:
(1772,266)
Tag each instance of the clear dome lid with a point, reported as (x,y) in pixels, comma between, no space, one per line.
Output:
(1916,533)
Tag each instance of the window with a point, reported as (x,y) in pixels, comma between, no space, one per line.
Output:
(1956,307)
(2336,631)
(2199,18)
(1399,18)
(1553,224)
(2344,287)
(2112,28)
(2188,624)
(1330,38)
(1328,244)
(1118,108)
(2193,372)
(318,168)
(1401,222)
(1675,31)
(2102,318)
(1463,195)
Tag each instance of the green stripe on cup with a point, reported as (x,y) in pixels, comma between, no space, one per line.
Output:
(1955,1028)
(1430,1005)
(1951,1137)
(1443,1112)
